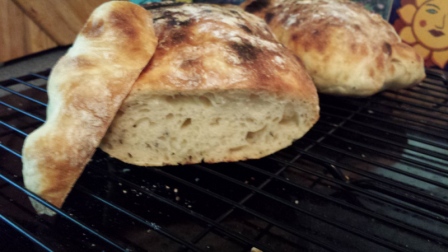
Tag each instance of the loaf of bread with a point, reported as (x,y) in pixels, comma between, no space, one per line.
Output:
(346,49)
(85,89)
(219,88)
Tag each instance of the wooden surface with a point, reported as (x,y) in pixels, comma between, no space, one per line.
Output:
(61,20)
(19,35)
(28,27)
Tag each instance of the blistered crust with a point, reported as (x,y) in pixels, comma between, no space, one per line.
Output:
(205,48)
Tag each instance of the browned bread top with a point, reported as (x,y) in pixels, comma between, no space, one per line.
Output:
(204,48)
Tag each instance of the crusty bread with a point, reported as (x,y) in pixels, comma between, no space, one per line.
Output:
(85,89)
(219,88)
(346,49)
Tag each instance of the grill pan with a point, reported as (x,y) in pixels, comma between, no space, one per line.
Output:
(371,175)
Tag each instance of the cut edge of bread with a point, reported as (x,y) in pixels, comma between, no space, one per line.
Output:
(223,126)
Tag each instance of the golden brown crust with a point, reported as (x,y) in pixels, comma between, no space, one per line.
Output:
(219,88)
(216,48)
(345,48)
(86,88)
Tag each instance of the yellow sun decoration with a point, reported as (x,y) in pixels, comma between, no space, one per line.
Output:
(427,29)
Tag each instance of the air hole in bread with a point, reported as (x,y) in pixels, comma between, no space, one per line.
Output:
(236,149)
(171,98)
(215,121)
(186,123)
(109,145)
(254,136)
(169,116)
(289,116)
(205,100)
(289,120)
(143,122)
(254,97)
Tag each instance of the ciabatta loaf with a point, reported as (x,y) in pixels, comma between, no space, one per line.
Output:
(85,89)
(219,88)
(346,49)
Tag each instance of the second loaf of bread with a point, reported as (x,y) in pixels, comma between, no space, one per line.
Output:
(219,88)
(346,49)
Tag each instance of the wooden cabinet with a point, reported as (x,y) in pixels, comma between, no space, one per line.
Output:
(27,27)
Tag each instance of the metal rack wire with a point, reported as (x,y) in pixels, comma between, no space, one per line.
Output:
(372,175)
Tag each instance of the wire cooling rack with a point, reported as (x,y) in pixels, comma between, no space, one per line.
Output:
(371,175)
